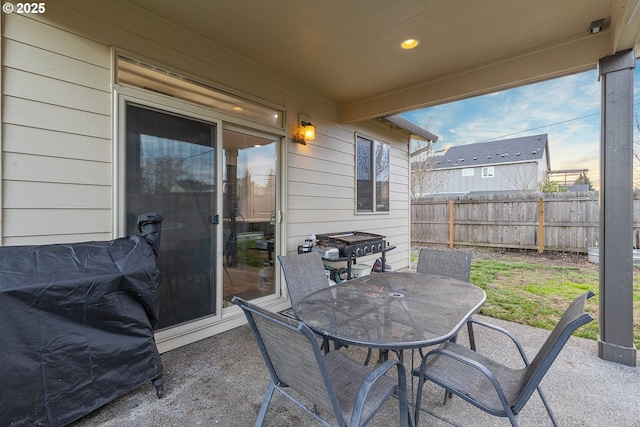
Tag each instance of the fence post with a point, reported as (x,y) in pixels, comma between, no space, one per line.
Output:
(540,225)
(450,224)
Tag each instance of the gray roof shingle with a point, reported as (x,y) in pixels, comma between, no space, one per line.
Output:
(514,150)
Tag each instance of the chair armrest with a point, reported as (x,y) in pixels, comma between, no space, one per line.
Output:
(505,332)
(381,370)
(441,352)
(370,380)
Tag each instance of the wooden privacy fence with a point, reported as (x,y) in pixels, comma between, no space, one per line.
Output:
(567,221)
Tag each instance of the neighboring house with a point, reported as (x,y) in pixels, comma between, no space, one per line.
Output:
(516,164)
(570,179)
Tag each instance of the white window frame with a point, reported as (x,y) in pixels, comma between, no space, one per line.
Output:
(488,172)
(375,168)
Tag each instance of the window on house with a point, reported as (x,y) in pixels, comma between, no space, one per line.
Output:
(372,175)
(467,172)
(488,172)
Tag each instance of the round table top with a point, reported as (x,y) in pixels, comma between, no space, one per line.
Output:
(392,310)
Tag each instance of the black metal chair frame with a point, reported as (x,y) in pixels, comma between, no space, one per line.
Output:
(495,388)
(331,381)
(304,274)
(454,264)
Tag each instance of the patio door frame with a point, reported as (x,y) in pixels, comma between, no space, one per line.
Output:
(278,226)
(224,318)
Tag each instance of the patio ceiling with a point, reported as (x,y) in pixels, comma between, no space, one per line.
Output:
(349,51)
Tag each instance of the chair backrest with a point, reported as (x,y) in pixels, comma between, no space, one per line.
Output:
(453,264)
(304,274)
(292,355)
(572,319)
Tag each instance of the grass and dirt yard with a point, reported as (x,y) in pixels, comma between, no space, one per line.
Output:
(534,289)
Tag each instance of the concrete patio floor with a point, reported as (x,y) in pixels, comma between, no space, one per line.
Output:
(220,381)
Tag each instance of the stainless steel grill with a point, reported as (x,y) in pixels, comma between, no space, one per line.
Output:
(353,243)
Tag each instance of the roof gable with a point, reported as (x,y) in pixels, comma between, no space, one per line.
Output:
(514,150)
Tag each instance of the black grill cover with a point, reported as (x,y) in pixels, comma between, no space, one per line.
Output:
(76,325)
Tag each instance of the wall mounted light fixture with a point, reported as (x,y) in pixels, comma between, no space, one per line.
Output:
(305,131)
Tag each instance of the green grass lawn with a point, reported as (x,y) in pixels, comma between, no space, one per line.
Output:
(533,294)
(536,294)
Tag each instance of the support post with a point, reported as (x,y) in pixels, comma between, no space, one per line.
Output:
(615,342)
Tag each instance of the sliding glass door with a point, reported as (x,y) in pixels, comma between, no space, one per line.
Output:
(249,207)
(170,169)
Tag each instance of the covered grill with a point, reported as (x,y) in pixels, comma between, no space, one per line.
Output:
(76,325)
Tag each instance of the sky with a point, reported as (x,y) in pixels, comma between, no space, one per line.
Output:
(566,109)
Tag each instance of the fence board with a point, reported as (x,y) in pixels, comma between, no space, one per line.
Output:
(570,224)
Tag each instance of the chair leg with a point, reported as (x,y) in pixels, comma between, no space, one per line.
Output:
(472,338)
(416,414)
(447,395)
(383,355)
(325,345)
(403,399)
(265,403)
(546,405)
(368,359)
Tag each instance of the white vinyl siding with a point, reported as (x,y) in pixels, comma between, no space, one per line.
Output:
(43,142)
(321,189)
(46,90)
(57,119)
(55,195)
(504,177)
(56,148)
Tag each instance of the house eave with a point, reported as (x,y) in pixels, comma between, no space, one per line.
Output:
(415,131)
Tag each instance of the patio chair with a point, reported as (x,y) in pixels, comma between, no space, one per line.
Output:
(454,264)
(445,263)
(304,274)
(332,382)
(491,386)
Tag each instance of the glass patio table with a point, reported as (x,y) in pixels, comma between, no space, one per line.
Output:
(392,311)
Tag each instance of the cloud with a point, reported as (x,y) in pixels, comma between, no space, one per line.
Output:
(567,109)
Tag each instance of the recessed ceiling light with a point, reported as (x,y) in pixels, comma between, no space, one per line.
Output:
(237,108)
(409,44)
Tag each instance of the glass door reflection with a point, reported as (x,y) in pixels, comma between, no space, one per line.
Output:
(249,214)
(171,171)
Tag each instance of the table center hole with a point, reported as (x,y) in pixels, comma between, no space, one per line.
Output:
(396,295)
